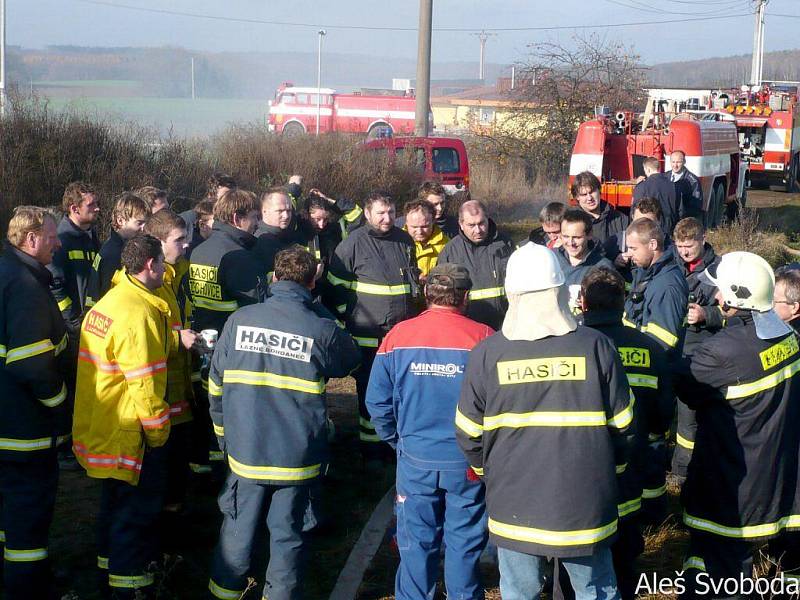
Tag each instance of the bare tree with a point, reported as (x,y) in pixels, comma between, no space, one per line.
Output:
(560,86)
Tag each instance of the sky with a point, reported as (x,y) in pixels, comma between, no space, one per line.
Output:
(40,23)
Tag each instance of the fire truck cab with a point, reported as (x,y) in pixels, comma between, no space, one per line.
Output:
(613,147)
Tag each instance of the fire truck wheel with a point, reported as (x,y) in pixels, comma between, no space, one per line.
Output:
(716,207)
(293,130)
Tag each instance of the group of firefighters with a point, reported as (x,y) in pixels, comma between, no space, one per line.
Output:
(526,393)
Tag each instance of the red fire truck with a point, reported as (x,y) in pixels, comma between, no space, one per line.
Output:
(768,120)
(294,111)
(613,147)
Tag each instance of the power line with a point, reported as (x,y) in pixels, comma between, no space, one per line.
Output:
(409,29)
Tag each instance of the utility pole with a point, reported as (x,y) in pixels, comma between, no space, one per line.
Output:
(2,58)
(423,87)
(320,35)
(757,66)
(193,94)
(483,37)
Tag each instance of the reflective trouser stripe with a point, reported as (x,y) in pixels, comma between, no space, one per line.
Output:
(102,562)
(366,431)
(649,494)
(223,593)
(694,562)
(631,506)
(684,443)
(130,581)
(366,342)
(216,455)
(32,555)
(2,537)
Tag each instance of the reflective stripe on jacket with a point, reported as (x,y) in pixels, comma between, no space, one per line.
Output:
(486,263)
(545,422)
(34,408)
(72,268)
(266,386)
(120,402)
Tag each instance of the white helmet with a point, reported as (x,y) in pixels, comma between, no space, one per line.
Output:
(532,268)
(745,280)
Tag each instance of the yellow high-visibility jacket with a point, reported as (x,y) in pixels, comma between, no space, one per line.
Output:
(428,253)
(120,404)
(179,361)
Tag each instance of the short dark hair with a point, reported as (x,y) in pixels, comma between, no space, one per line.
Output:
(650,206)
(218,180)
(316,202)
(444,295)
(603,289)
(138,250)
(651,162)
(576,215)
(431,187)
(647,230)
(552,213)
(295,263)
(419,204)
(161,223)
(377,196)
(204,208)
(234,202)
(585,179)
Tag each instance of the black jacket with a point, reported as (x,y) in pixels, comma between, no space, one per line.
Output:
(660,187)
(657,303)
(645,366)
(574,274)
(267,386)
(71,269)
(689,194)
(486,263)
(375,282)
(609,229)
(704,295)
(551,486)
(35,413)
(742,480)
(271,240)
(223,275)
(106,263)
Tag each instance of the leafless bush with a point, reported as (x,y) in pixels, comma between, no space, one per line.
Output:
(744,234)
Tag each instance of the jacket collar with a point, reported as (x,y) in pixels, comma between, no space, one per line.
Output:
(241,238)
(372,232)
(69,228)
(437,237)
(38,270)
(281,234)
(291,290)
(598,318)
(594,254)
(123,280)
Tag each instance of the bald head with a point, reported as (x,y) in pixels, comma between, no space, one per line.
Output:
(474,221)
(276,208)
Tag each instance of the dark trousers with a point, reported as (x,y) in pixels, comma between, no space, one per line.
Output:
(654,480)
(178,448)
(27,501)
(684,443)
(719,558)
(372,448)
(245,505)
(127,525)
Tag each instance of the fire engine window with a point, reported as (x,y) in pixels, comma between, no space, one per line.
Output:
(418,157)
(302,99)
(445,160)
(287,99)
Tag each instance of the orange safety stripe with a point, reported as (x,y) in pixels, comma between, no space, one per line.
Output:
(107,461)
(145,370)
(97,361)
(157,421)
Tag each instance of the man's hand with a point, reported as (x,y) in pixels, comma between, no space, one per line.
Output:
(189,338)
(298,179)
(622,259)
(696,315)
(640,179)
(321,195)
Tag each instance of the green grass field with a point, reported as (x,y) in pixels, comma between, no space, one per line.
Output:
(181,116)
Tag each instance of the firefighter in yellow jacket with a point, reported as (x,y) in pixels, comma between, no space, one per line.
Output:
(122,418)
(428,238)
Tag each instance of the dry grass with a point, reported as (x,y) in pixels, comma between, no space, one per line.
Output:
(748,234)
